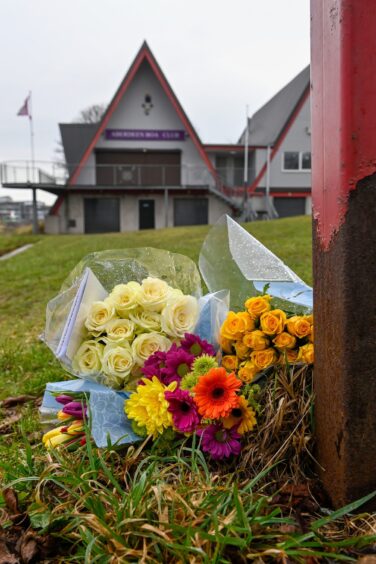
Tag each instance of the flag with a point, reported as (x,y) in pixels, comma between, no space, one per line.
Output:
(24,111)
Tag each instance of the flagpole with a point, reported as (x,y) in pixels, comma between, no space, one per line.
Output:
(35,206)
(245,175)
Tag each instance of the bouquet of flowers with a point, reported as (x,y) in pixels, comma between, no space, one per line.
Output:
(72,414)
(145,345)
(116,308)
(262,336)
(133,322)
(186,390)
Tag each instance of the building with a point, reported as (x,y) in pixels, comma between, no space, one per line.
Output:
(280,133)
(20,213)
(144,166)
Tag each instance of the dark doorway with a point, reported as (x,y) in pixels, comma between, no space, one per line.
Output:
(146,214)
(287,207)
(102,215)
(190,211)
(138,168)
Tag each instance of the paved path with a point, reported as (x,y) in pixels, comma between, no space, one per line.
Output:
(16,252)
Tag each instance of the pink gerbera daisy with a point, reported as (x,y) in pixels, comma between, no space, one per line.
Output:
(178,364)
(196,346)
(219,442)
(183,409)
(154,365)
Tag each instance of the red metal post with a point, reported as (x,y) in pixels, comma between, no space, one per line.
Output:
(343,93)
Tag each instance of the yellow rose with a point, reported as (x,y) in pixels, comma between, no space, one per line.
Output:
(88,358)
(180,316)
(289,356)
(299,326)
(306,353)
(235,325)
(265,358)
(230,362)
(311,335)
(124,298)
(147,344)
(284,341)
(225,344)
(247,372)
(273,322)
(119,331)
(100,313)
(249,323)
(146,320)
(256,340)
(258,305)
(153,294)
(117,363)
(242,351)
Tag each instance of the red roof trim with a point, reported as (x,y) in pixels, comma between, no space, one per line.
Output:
(280,139)
(289,194)
(143,54)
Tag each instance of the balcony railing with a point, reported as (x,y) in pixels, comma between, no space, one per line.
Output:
(53,176)
(120,175)
(26,172)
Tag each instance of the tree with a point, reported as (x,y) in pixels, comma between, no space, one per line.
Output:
(92,114)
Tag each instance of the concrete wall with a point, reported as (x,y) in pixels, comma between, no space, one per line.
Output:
(297,139)
(73,209)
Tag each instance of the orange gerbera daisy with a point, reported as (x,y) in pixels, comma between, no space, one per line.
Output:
(215,393)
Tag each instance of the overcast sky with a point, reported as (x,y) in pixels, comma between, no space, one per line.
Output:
(218,56)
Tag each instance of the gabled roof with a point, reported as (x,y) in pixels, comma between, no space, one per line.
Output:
(144,54)
(75,138)
(267,124)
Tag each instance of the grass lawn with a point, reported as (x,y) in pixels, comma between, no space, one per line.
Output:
(131,497)
(10,242)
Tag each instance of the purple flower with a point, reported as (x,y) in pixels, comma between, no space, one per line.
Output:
(220,442)
(196,346)
(183,409)
(178,364)
(64,399)
(154,364)
(76,409)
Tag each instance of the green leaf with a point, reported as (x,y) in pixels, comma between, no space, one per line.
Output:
(341,512)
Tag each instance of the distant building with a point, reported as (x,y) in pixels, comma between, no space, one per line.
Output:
(144,166)
(280,133)
(18,213)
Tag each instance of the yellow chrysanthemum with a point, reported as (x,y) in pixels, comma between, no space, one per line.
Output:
(243,416)
(148,406)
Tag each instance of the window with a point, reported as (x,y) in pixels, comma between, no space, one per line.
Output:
(291,160)
(296,161)
(306,161)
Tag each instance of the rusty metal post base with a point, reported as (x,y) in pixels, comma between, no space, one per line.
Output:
(345,363)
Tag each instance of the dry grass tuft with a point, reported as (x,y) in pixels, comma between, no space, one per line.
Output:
(284,432)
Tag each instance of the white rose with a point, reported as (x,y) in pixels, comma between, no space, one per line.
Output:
(99,315)
(147,344)
(119,331)
(154,294)
(117,363)
(124,298)
(180,316)
(88,358)
(146,320)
